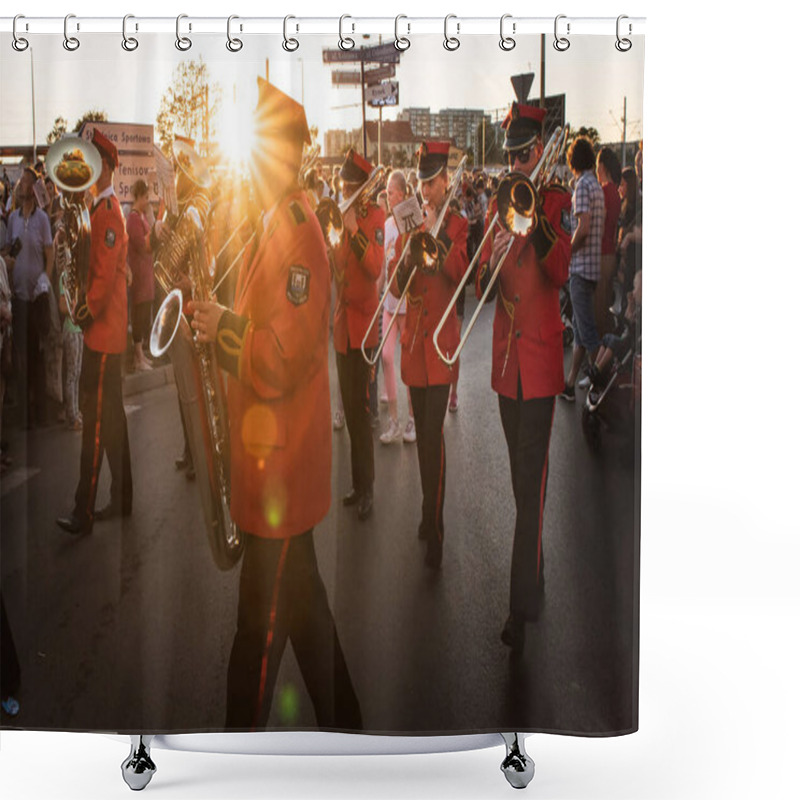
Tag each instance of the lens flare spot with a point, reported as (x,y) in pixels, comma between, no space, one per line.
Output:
(288,705)
(259,431)
(275,505)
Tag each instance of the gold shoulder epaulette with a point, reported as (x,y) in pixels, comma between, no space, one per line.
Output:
(296,212)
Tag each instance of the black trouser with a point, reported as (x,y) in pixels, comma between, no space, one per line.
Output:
(105,431)
(281,597)
(430,407)
(9,662)
(527,425)
(29,374)
(141,321)
(353,381)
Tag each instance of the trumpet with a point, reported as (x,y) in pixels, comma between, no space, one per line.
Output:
(331,216)
(517,198)
(423,252)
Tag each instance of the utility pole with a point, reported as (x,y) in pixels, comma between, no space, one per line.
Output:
(541,73)
(33,109)
(624,131)
(363,110)
(380,134)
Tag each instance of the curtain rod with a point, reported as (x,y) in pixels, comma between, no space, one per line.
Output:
(331,26)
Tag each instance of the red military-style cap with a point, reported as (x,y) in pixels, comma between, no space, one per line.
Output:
(356,168)
(107,148)
(523,124)
(432,159)
(278,116)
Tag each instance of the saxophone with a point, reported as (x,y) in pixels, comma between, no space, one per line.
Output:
(182,265)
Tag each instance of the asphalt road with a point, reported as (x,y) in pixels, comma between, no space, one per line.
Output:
(130,629)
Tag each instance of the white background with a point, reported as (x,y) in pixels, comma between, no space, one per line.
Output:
(720,609)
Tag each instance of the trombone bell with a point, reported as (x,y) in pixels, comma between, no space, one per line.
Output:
(168,319)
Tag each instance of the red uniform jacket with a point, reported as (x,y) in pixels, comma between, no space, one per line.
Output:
(357,265)
(527,341)
(107,285)
(427,298)
(275,345)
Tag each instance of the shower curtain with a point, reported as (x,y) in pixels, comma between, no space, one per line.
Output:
(389,527)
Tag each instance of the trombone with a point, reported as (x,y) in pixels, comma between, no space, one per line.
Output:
(516,197)
(424,256)
(331,216)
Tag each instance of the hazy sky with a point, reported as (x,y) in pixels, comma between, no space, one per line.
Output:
(128,86)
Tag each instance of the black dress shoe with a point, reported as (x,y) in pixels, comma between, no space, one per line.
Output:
(184,461)
(351,498)
(365,506)
(111,511)
(73,525)
(513,634)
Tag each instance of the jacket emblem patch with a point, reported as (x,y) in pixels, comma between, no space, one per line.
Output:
(298,284)
(566,226)
(111,237)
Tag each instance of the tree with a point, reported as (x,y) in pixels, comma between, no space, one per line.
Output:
(58,130)
(189,106)
(60,125)
(590,133)
(95,115)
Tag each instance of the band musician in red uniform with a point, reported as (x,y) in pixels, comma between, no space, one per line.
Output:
(102,313)
(528,357)
(274,346)
(426,375)
(357,261)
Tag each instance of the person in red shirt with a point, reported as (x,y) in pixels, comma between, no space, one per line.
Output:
(273,344)
(527,356)
(357,262)
(102,314)
(427,376)
(609,174)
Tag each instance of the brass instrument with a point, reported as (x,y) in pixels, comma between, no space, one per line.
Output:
(517,198)
(182,260)
(309,159)
(331,215)
(74,164)
(423,253)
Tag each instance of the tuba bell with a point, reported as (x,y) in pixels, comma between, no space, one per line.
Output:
(74,165)
(183,267)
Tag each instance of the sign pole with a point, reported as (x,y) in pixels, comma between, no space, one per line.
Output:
(363,111)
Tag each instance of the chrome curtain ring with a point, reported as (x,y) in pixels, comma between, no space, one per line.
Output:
(400,42)
(345,42)
(233,44)
(18,42)
(183,43)
(71,43)
(623,45)
(561,43)
(290,44)
(451,42)
(507,42)
(129,43)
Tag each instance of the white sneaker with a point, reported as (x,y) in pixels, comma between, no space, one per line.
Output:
(393,433)
(585,383)
(410,433)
